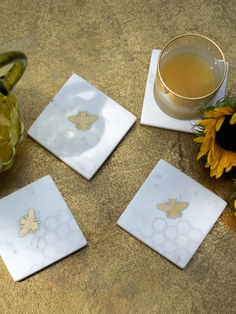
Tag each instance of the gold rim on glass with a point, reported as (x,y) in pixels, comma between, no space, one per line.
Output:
(192,98)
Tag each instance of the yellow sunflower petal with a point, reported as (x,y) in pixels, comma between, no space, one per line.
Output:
(207,122)
(227,169)
(210,127)
(204,148)
(199,139)
(218,159)
(206,145)
(213,173)
(216,156)
(199,155)
(231,156)
(226,110)
(218,112)
(210,114)
(209,156)
(233,119)
(235,204)
(219,173)
(213,135)
(225,159)
(219,123)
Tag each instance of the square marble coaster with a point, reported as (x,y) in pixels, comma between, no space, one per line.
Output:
(36,228)
(152,114)
(81,126)
(171,213)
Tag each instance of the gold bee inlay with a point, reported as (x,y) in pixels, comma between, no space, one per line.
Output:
(83,120)
(173,208)
(28,223)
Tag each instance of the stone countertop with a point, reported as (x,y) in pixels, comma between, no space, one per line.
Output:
(109,43)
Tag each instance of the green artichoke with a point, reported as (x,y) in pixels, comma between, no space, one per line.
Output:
(11,130)
(11,127)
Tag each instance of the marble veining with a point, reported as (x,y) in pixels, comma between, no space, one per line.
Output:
(81,126)
(152,114)
(36,228)
(175,235)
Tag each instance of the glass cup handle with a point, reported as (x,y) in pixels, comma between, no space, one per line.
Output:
(10,78)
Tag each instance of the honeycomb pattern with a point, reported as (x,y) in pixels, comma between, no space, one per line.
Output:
(177,239)
(56,238)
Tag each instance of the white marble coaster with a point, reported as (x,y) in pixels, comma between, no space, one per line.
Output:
(152,114)
(81,126)
(36,228)
(171,213)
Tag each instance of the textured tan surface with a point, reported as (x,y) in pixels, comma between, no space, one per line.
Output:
(109,43)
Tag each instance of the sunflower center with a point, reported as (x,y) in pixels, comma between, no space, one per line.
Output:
(226,136)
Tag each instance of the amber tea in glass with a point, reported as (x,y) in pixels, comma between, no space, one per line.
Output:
(191,68)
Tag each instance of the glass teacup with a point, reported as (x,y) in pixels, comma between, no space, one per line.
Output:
(191,68)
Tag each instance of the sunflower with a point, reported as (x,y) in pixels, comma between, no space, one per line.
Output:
(233,196)
(217,136)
